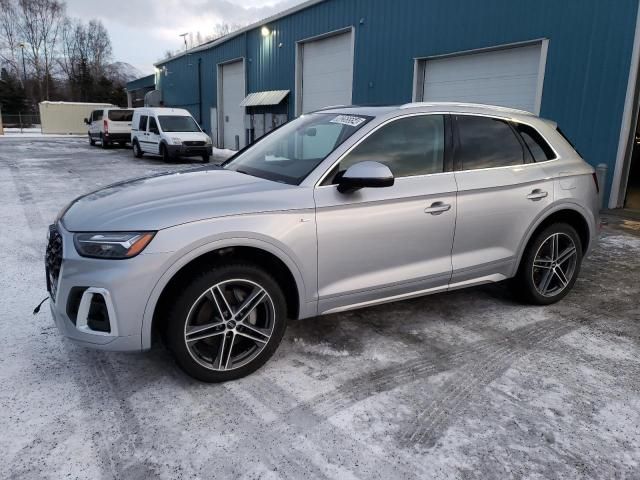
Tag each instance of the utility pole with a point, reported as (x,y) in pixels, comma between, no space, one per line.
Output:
(184,37)
(24,67)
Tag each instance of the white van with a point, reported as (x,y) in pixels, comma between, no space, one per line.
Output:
(109,125)
(169,132)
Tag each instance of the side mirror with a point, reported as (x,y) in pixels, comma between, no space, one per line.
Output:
(86,120)
(365,175)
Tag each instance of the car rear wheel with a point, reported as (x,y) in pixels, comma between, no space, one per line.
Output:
(226,323)
(550,265)
(104,143)
(137,151)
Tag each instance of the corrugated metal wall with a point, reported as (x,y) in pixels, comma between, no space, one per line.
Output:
(586,73)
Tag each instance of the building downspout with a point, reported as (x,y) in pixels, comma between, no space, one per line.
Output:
(200,91)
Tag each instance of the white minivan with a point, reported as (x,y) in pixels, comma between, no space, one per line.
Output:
(109,125)
(168,132)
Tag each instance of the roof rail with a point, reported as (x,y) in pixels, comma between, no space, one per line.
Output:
(331,107)
(468,105)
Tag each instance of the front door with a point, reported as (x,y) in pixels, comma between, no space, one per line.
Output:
(377,244)
(502,189)
(153,136)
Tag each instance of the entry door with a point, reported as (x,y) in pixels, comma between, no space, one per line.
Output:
(327,72)
(380,243)
(500,194)
(508,77)
(233,93)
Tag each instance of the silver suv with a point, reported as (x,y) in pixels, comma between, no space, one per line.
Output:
(336,210)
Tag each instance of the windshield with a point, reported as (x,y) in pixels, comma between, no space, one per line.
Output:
(178,123)
(120,115)
(291,152)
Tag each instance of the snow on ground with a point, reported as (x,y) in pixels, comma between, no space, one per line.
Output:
(467,384)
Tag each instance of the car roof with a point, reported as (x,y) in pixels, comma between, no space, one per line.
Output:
(431,107)
(165,110)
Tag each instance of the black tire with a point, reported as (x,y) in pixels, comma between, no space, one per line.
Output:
(205,159)
(104,143)
(137,151)
(530,280)
(189,298)
(92,142)
(164,153)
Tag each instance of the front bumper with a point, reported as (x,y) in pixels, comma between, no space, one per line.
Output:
(189,151)
(122,287)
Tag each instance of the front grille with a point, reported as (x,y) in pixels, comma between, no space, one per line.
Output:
(53,260)
(194,143)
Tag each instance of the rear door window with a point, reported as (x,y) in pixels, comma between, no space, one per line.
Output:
(536,145)
(486,142)
(142,124)
(120,115)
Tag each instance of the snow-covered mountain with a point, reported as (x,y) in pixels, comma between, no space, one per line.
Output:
(123,72)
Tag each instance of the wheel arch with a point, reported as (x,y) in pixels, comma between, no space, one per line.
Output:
(571,214)
(267,256)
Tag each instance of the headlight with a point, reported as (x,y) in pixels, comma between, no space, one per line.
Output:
(207,140)
(176,141)
(111,245)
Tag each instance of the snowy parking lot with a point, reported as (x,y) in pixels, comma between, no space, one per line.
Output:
(468,384)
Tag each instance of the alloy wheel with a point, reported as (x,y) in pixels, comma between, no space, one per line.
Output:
(229,325)
(554,264)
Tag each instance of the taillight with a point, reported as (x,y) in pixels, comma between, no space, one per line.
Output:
(595,180)
(106,127)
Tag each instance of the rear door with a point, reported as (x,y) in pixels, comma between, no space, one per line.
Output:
(120,121)
(501,191)
(96,123)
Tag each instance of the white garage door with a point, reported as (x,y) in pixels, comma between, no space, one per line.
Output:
(327,72)
(232,115)
(508,78)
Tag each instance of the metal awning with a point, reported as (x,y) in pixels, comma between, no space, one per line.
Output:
(256,99)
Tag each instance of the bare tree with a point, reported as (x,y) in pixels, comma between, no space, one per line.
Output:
(40,26)
(9,37)
(85,50)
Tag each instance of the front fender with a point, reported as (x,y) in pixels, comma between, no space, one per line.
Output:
(298,243)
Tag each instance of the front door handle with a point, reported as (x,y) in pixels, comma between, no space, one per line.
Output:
(537,194)
(437,208)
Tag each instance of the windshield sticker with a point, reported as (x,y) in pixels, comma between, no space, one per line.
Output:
(350,120)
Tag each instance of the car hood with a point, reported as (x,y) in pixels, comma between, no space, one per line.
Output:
(187,136)
(168,199)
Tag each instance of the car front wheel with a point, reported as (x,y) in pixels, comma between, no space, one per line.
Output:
(227,323)
(550,265)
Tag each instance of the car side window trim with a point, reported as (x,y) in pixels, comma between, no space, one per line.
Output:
(448,141)
(457,166)
(514,124)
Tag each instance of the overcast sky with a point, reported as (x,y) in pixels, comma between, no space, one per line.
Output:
(142,30)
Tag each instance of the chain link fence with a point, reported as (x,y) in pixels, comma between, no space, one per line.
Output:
(21,122)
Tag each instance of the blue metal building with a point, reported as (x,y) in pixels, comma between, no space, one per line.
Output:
(576,63)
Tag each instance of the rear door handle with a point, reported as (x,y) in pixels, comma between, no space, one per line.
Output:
(437,208)
(537,194)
